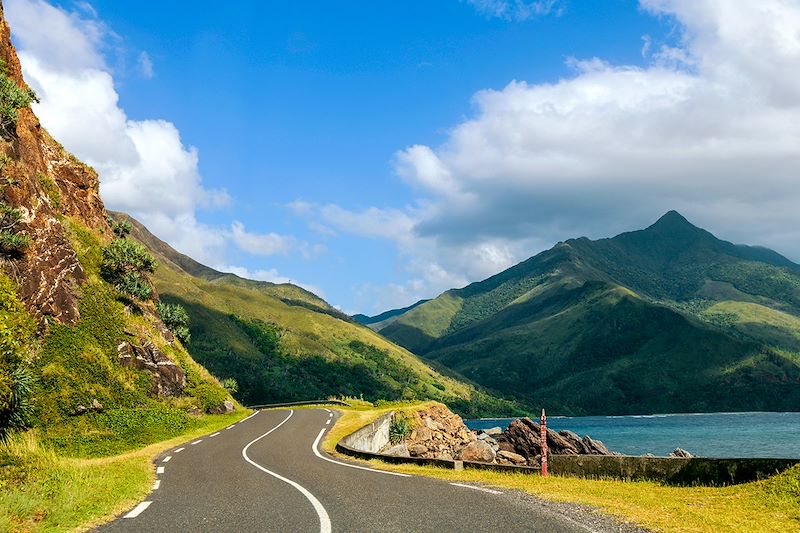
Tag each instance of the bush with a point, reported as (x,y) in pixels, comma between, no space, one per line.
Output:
(125,265)
(15,400)
(120,228)
(399,430)
(16,332)
(176,319)
(230,385)
(12,99)
(12,242)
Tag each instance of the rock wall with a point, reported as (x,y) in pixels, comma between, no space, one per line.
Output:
(45,183)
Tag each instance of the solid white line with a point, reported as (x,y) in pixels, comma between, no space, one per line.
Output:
(473,487)
(157,484)
(179,450)
(251,416)
(138,510)
(324,519)
(198,441)
(230,427)
(160,470)
(316,452)
(327,410)
(214,435)
(327,422)
(166,459)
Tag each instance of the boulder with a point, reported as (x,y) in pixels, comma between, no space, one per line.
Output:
(417,450)
(477,451)
(511,457)
(399,450)
(680,452)
(167,378)
(595,447)
(523,437)
(493,432)
(96,405)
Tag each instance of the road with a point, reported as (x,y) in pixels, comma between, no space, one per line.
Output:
(267,473)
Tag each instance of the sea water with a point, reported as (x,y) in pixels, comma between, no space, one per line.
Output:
(719,435)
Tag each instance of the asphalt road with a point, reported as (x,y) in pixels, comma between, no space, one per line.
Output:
(266,474)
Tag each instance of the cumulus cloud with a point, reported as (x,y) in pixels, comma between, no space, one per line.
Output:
(145,168)
(709,126)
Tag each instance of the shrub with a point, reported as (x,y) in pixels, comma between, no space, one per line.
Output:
(230,385)
(16,331)
(176,319)
(125,265)
(15,399)
(12,99)
(399,430)
(12,242)
(50,189)
(120,228)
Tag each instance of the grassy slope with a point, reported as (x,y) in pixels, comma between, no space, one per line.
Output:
(555,329)
(770,506)
(317,353)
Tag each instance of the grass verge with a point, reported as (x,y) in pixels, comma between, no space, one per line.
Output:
(41,490)
(772,505)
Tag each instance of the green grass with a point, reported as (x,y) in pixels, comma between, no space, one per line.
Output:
(42,490)
(772,505)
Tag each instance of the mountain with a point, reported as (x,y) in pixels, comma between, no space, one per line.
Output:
(382,320)
(282,343)
(665,319)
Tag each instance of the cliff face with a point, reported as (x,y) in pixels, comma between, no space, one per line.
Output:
(45,183)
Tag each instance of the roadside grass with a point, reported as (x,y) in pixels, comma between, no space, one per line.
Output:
(41,490)
(772,505)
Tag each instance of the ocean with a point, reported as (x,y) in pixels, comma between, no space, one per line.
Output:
(719,435)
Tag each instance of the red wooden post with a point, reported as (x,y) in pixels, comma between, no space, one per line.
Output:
(544,444)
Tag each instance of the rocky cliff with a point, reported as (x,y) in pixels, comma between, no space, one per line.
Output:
(46,184)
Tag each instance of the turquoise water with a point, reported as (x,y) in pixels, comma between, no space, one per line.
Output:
(705,434)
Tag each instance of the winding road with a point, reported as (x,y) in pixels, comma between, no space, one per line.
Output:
(267,473)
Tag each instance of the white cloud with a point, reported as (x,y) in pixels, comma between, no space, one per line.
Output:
(145,64)
(271,276)
(145,169)
(519,10)
(710,126)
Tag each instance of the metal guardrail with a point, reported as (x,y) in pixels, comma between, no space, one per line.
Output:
(290,404)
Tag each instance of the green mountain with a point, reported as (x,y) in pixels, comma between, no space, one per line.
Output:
(382,320)
(282,343)
(666,319)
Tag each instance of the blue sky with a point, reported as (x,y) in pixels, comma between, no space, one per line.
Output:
(379,152)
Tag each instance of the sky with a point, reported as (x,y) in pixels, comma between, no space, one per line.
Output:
(381,152)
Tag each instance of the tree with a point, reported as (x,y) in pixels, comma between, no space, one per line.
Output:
(12,99)
(12,242)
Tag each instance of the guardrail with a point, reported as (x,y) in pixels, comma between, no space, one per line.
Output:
(290,404)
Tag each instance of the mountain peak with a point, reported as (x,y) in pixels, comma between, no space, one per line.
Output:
(672,220)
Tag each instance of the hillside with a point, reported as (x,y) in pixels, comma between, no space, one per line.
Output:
(283,343)
(84,355)
(382,320)
(665,319)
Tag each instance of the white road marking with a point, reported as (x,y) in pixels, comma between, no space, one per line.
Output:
(166,459)
(198,441)
(214,435)
(324,519)
(330,415)
(230,427)
(157,484)
(179,450)
(160,470)
(327,422)
(473,487)
(138,510)
(251,416)
(327,410)
(316,452)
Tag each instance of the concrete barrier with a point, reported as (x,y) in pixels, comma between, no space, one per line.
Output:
(372,437)
(367,442)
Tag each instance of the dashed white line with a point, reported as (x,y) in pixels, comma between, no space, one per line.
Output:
(138,510)
(179,450)
(160,470)
(166,459)
(157,484)
(213,434)
(327,421)
(231,426)
(251,416)
(316,452)
(327,410)
(198,441)
(324,519)
(473,487)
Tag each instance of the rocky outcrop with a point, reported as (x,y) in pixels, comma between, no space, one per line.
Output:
(167,378)
(523,437)
(478,451)
(680,452)
(438,434)
(45,183)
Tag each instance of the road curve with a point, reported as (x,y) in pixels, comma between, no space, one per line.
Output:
(267,474)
